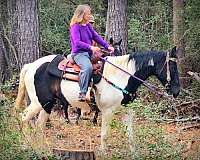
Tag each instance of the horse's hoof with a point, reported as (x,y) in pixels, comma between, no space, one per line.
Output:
(67,121)
(94,122)
(76,122)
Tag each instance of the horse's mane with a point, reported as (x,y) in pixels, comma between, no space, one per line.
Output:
(120,61)
(148,58)
(140,60)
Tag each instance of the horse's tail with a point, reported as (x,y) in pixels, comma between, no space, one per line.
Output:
(22,87)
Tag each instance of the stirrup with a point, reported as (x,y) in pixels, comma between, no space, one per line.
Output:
(82,97)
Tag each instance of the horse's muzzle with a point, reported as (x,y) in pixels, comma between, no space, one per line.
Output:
(175,92)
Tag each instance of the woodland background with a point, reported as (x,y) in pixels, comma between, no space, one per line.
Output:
(30,29)
(34,28)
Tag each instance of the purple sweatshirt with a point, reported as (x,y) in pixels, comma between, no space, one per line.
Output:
(81,38)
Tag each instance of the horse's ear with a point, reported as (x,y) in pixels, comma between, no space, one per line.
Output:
(134,49)
(120,41)
(111,40)
(173,52)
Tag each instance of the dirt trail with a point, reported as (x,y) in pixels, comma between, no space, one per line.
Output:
(87,137)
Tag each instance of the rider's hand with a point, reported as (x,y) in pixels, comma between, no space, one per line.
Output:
(95,49)
(111,49)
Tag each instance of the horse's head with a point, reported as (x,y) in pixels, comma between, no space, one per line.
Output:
(116,46)
(167,72)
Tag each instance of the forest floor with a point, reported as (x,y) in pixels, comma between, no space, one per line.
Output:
(86,137)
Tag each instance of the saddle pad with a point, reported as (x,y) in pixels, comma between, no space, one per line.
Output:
(70,76)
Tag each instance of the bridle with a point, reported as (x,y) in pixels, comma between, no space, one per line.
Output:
(168,59)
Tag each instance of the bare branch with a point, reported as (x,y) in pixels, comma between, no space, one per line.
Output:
(10,44)
(74,3)
(195,75)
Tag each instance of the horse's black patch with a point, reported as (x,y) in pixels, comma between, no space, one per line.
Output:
(142,59)
(143,71)
(152,63)
(134,83)
(48,88)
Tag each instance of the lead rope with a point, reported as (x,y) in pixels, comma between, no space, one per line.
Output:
(114,85)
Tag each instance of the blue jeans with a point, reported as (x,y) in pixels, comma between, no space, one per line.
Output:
(83,60)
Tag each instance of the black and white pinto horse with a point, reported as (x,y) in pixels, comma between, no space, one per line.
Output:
(42,88)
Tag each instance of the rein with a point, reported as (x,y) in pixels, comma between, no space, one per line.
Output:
(151,87)
(107,53)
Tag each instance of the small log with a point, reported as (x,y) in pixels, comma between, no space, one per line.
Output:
(190,126)
(73,154)
(170,120)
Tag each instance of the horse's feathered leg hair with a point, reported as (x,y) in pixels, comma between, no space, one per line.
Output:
(21,88)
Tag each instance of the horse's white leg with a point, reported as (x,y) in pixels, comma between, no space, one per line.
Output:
(42,119)
(30,112)
(107,116)
(128,122)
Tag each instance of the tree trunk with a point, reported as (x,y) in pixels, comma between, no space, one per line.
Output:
(4,68)
(178,35)
(179,26)
(12,34)
(116,25)
(4,72)
(27,31)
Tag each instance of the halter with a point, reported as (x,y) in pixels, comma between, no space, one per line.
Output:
(168,58)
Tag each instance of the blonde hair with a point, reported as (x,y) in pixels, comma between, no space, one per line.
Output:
(79,14)
(91,19)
